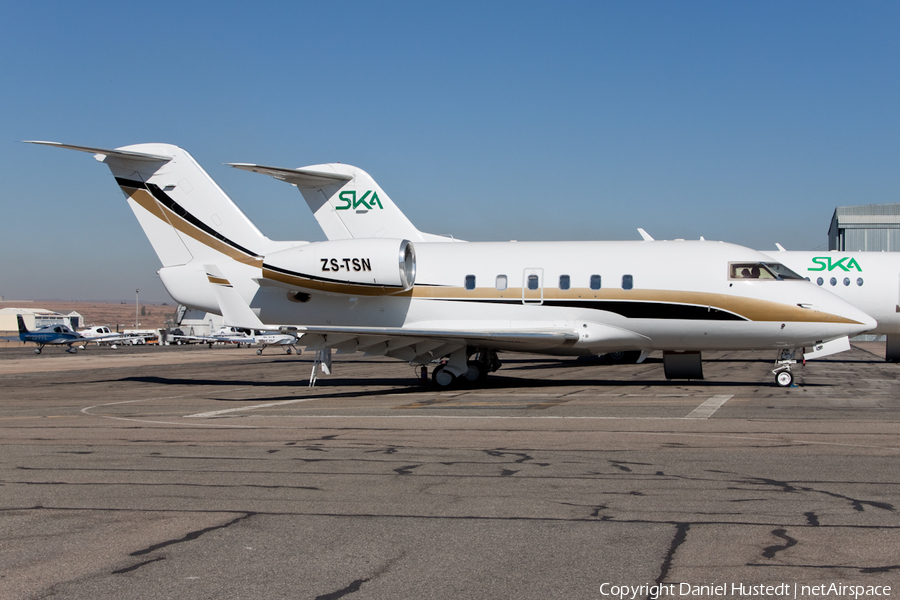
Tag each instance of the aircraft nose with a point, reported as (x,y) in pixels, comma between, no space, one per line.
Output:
(866,320)
(852,313)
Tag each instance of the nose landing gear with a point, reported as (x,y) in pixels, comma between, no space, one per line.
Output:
(783,375)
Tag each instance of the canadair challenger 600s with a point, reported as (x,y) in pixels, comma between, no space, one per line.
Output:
(426,299)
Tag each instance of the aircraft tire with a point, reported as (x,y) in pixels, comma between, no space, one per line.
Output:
(258,352)
(784,379)
(442,378)
(475,373)
(37,350)
(624,357)
(288,351)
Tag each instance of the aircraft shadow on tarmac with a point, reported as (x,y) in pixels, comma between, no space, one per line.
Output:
(494,383)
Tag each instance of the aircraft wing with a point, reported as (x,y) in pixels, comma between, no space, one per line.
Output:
(191,338)
(425,345)
(233,339)
(211,339)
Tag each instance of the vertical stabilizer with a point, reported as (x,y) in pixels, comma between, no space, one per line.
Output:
(22,329)
(184,213)
(347,202)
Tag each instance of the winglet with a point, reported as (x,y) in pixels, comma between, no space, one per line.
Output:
(780,247)
(647,237)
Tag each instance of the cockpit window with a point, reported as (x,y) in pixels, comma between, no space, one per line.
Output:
(770,271)
(750,271)
(782,272)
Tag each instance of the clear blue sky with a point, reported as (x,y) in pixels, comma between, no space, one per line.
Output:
(742,121)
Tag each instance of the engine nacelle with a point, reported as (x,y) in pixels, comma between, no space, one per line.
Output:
(371,266)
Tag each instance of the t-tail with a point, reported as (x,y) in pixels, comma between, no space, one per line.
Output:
(347,202)
(188,219)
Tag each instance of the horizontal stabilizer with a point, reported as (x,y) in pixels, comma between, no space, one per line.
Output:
(300,177)
(125,154)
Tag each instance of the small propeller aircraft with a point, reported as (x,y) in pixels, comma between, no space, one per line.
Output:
(51,335)
(224,334)
(272,338)
(101,334)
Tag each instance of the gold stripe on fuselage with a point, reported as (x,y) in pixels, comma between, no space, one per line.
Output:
(146,200)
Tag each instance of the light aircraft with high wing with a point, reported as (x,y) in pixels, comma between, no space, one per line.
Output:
(273,338)
(422,298)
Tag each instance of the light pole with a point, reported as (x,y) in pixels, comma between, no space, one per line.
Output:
(136,292)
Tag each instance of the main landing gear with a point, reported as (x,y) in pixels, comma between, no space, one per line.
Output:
(783,375)
(477,370)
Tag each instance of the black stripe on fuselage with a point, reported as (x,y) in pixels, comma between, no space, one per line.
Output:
(179,210)
(628,309)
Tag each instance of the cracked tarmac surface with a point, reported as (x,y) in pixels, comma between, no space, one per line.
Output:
(224,476)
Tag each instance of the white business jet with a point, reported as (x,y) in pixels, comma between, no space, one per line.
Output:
(868,280)
(422,299)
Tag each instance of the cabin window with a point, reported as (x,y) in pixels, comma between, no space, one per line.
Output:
(533,282)
(859,281)
(627,282)
(820,281)
(564,282)
(470,282)
(846,281)
(833,281)
(595,282)
(501,282)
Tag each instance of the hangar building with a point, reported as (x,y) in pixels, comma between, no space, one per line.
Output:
(35,318)
(871,227)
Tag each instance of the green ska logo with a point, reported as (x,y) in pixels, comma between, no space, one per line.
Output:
(351,201)
(824,262)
